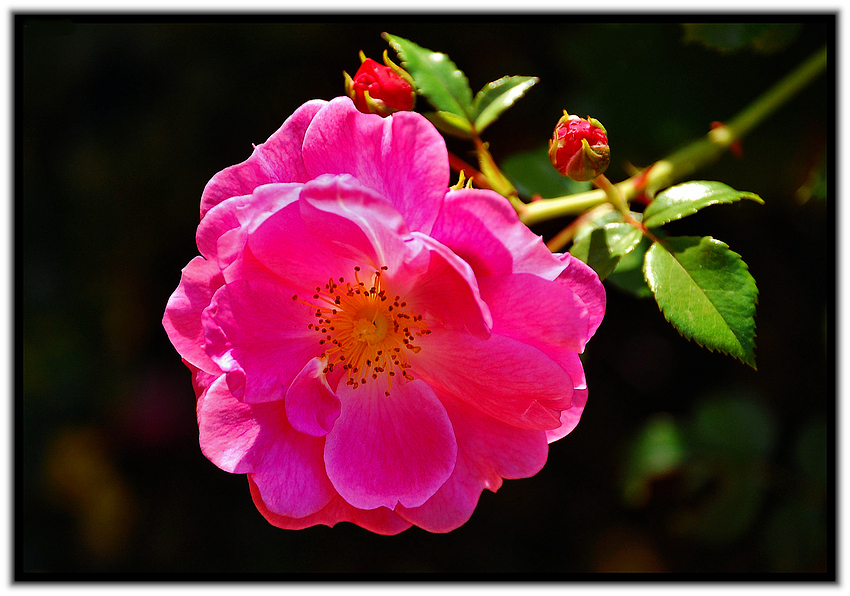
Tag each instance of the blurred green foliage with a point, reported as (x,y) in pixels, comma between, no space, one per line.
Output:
(730,37)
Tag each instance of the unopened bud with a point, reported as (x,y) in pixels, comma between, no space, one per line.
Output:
(579,147)
(380,89)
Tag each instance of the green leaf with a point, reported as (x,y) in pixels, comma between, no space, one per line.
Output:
(532,173)
(496,97)
(686,199)
(451,124)
(706,292)
(628,276)
(436,77)
(603,247)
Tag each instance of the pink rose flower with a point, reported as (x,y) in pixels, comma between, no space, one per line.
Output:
(368,345)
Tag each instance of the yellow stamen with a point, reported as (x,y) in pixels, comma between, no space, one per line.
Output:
(365,330)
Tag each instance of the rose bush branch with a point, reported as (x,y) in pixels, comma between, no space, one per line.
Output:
(683,162)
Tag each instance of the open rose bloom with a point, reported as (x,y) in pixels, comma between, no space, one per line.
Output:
(368,345)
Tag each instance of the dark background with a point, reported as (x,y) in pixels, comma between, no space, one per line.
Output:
(121,124)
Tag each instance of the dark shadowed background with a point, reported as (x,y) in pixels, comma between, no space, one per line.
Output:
(684,461)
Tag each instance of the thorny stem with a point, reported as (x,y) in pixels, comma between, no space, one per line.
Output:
(684,161)
(619,203)
(565,236)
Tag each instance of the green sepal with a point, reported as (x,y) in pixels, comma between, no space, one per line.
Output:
(436,77)
(399,70)
(496,97)
(603,247)
(597,124)
(687,198)
(706,292)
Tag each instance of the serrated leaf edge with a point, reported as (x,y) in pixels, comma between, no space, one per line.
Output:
(518,90)
(741,195)
(391,39)
(691,337)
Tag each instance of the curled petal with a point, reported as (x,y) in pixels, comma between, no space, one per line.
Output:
(488,450)
(182,318)
(228,429)
(570,418)
(380,520)
(401,157)
(483,228)
(256,438)
(504,378)
(583,281)
(536,311)
(258,335)
(277,160)
(284,245)
(291,479)
(449,291)
(222,233)
(354,221)
(386,450)
(311,406)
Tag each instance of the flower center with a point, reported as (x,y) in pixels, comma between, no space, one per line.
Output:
(363,330)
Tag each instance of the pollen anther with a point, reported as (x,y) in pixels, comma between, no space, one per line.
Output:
(364,330)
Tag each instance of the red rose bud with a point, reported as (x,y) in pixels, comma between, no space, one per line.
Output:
(579,147)
(379,89)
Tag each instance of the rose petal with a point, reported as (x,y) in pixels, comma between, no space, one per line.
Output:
(258,335)
(311,406)
(449,291)
(244,438)
(182,319)
(221,234)
(504,378)
(483,229)
(385,450)
(583,281)
(570,418)
(228,429)
(488,451)
(380,520)
(283,244)
(354,221)
(402,157)
(560,317)
(291,477)
(201,380)
(279,159)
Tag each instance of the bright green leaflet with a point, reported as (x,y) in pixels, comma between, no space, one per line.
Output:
(603,247)
(496,97)
(706,292)
(436,77)
(686,199)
